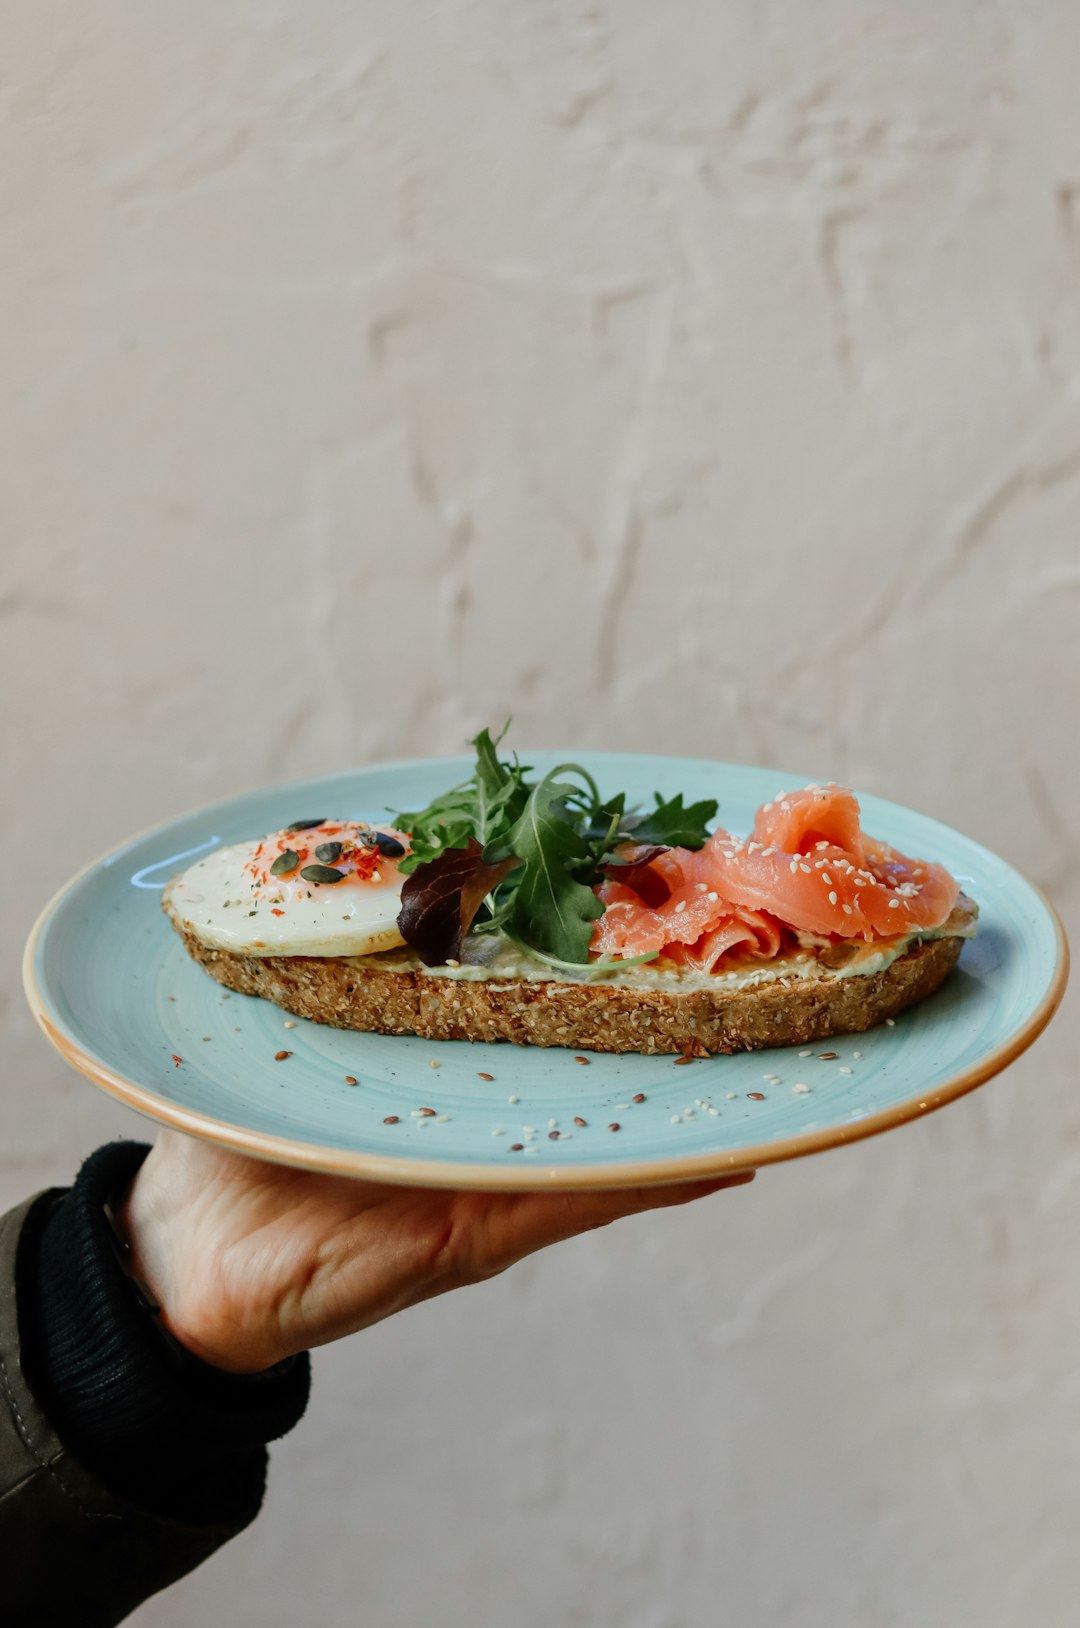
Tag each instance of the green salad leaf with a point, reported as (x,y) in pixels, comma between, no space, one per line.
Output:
(499,853)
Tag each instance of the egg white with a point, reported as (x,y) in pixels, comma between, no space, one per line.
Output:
(215,899)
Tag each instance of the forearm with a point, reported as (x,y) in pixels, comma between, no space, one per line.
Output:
(122,1464)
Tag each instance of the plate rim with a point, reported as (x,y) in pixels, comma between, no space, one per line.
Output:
(397,1171)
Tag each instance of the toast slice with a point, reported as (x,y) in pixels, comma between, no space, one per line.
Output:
(396,995)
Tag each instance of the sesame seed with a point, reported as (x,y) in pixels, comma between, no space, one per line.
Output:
(825,877)
(847,909)
(391,1119)
(579,1121)
(806,1054)
(799,1089)
(433,1062)
(847,1071)
(832,898)
(552,1124)
(731,1096)
(622,1106)
(714,1111)
(856,1055)
(804,868)
(793,867)
(756,1096)
(451,962)
(485,1076)
(894,904)
(713,897)
(280,1056)
(442,1119)
(680,907)
(828,1056)
(676,1119)
(350,1079)
(766,852)
(584,1060)
(701,886)
(289,1024)
(498,1131)
(531,1150)
(512,1100)
(529,1130)
(426,1113)
(890,1023)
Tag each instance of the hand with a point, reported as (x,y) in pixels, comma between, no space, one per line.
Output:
(251,1262)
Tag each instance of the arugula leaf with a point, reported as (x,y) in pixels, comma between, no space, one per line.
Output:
(499,854)
(552,910)
(673,826)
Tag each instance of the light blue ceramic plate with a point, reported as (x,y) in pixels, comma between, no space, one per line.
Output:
(112,987)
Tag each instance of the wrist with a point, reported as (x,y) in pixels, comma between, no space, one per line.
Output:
(180,1275)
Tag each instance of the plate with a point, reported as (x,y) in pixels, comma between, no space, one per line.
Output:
(110,984)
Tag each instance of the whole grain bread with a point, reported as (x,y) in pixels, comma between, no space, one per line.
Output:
(348,994)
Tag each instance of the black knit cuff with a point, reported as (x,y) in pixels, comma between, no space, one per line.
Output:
(157,1426)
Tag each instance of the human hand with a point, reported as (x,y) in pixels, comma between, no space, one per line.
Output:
(251,1262)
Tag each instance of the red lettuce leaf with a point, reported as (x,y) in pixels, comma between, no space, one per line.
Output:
(633,871)
(440,899)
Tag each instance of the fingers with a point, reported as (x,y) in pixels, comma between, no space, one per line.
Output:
(523,1224)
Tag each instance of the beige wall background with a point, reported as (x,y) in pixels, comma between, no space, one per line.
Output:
(678,377)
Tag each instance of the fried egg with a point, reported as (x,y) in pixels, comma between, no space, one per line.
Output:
(319,887)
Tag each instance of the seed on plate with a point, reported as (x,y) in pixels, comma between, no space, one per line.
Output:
(639,1096)
(806,1054)
(614,1126)
(289,1023)
(513,1099)
(847,1071)
(280,1056)
(517,1147)
(680,1060)
(584,1060)
(442,1119)
(553,1136)
(828,1056)
(498,1131)
(890,1023)
(676,1119)
(391,1119)
(622,1107)
(350,1079)
(425,1113)
(756,1096)
(530,1130)
(433,1062)
(731,1096)
(552,1124)
(485,1076)
(799,1089)
(715,1112)
(856,1055)
(579,1121)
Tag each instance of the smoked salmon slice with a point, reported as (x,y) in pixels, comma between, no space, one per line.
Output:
(808,866)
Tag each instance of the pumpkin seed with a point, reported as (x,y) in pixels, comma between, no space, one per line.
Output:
(328,852)
(321,873)
(284,863)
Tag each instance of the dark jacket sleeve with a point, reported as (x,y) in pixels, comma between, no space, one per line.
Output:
(122,1466)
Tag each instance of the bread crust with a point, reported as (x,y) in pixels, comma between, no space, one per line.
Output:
(587,1016)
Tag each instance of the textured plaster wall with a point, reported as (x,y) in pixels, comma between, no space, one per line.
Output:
(689,377)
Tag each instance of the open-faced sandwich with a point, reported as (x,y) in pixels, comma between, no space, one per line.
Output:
(544,913)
